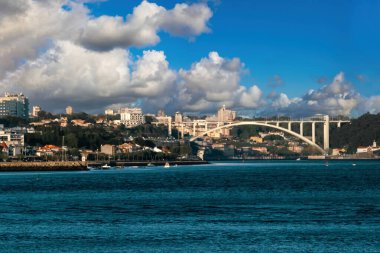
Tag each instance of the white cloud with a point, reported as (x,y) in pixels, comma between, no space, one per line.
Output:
(372,105)
(186,20)
(337,98)
(141,27)
(68,73)
(214,81)
(29,27)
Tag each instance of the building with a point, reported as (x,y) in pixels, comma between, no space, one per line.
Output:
(225,115)
(263,150)
(178,118)
(161,113)
(16,105)
(368,149)
(256,139)
(48,150)
(338,151)
(69,110)
(131,117)
(12,137)
(108,149)
(36,109)
(109,111)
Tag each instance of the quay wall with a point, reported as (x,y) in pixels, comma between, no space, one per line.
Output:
(42,166)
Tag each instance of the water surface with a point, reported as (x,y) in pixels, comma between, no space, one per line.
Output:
(243,207)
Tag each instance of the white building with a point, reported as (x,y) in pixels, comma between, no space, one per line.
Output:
(368,149)
(131,117)
(36,109)
(178,118)
(14,140)
(225,115)
(69,110)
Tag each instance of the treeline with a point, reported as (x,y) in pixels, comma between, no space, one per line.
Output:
(91,137)
(360,132)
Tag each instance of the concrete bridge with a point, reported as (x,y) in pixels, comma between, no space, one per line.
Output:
(277,124)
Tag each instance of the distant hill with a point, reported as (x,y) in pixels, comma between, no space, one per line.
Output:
(360,132)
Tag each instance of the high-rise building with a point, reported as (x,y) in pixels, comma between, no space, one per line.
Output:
(178,118)
(69,110)
(16,105)
(131,116)
(161,113)
(225,115)
(36,109)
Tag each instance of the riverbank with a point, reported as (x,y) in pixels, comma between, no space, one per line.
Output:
(145,163)
(82,166)
(42,166)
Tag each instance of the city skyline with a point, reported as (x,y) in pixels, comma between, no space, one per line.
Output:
(296,59)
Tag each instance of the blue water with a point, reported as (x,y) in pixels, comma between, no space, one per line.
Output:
(226,207)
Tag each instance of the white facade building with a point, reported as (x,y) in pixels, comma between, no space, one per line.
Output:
(225,115)
(131,117)
(36,110)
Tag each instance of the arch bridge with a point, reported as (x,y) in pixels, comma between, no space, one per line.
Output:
(275,124)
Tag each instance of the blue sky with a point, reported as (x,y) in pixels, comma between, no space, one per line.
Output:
(294,57)
(300,41)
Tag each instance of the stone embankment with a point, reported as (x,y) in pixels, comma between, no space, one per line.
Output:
(42,166)
(145,163)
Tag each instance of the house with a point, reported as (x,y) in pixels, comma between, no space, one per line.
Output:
(80,122)
(108,149)
(4,148)
(368,149)
(48,150)
(256,139)
(263,150)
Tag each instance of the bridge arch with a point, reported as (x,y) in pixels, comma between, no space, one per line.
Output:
(254,123)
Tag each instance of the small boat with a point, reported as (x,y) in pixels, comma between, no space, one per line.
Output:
(354,164)
(106,166)
(298,159)
(150,165)
(167,165)
(327,164)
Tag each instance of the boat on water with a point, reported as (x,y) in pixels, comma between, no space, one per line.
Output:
(298,159)
(106,166)
(167,165)
(150,165)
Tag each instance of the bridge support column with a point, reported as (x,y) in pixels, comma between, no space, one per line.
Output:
(301,128)
(277,124)
(339,124)
(182,132)
(326,132)
(290,126)
(313,132)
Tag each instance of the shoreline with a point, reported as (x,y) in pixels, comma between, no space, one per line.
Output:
(60,166)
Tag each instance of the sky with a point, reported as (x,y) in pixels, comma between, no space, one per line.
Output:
(272,57)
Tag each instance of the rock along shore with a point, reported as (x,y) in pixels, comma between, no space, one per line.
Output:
(42,166)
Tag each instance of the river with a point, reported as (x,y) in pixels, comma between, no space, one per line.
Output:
(264,206)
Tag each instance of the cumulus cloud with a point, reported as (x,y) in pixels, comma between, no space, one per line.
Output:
(337,98)
(68,73)
(141,27)
(214,81)
(28,31)
(29,27)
